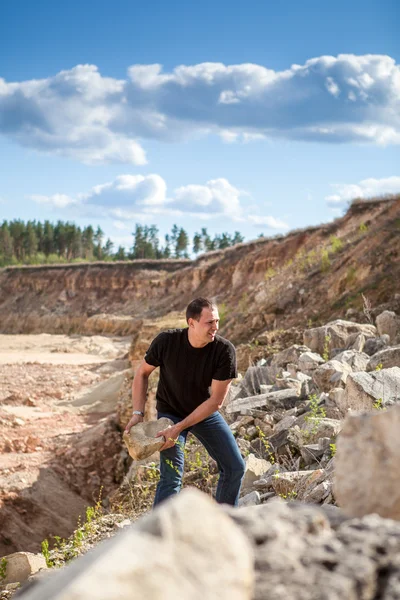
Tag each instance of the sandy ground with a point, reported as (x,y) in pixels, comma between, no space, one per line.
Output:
(60,349)
(52,386)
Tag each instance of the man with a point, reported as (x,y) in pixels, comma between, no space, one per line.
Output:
(196,369)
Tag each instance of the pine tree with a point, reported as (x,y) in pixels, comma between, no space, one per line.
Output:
(48,238)
(197,243)
(6,244)
(182,244)
(30,242)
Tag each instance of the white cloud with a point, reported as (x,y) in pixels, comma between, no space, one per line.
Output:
(367,188)
(81,114)
(56,200)
(142,197)
(218,196)
(120,225)
(270,222)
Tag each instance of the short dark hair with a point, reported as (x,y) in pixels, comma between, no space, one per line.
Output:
(196,306)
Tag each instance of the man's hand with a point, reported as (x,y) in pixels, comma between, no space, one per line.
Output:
(135,419)
(171,435)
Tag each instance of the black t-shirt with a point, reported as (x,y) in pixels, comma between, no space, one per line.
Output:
(186,372)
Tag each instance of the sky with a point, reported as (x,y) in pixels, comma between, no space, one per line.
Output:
(258,116)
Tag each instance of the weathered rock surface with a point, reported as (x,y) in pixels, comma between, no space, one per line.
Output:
(21,565)
(375,344)
(390,357)
(255,467)
(331,375)
(388,323)
(309,553)
(186,548)
(365,391)
(368,464)
(357,360)
(289,355)
(309,361)
(141,440)
(279,399)
(335,335)
(254,378)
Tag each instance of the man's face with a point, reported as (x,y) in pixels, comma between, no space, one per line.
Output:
(206,327)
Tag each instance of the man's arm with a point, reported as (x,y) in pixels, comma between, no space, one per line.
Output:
(219,391)
(139,391)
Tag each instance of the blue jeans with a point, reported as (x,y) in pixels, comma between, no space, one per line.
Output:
(218,440)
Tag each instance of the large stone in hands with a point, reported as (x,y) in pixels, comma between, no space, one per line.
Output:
(141,440)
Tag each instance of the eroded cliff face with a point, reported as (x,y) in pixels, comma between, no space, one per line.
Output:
(305,277)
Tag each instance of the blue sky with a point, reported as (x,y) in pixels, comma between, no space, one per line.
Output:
(251,116)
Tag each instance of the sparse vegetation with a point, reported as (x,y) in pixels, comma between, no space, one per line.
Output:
(3,569)
(266,444)
(327,341)
(325,261)
(378,405)
(315,415)
(269,273)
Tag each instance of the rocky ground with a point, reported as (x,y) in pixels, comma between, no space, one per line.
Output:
(295,417)
(45,402)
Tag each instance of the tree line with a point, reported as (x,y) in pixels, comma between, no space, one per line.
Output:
(33,242)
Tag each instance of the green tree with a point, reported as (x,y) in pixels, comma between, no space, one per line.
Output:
(30,243)
(98,241)
(182,244)
(197,243)
(87,242)
(107,248)
(120,254)
(6,244)
(17,232)
(48,238)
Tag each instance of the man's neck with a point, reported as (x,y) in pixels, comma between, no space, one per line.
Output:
(193,340)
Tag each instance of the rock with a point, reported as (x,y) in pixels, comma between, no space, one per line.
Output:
(265,426)
(365,391)
(281,399)
(359,343)
(285,423)
(186,548)
(390,357)
(331,375)
(356,360)
(309,361)
(241,423)
(21,565)
(255,467)
(252,432)
(141,441)
(319,493)
(244,446)
(388,323)
(293,483)
(335,335)
(251,499)
(286,383)
(375,344)
(289,355)
(254,377)
(264,388)
(312,429)
(369,446)
(311,453)
(307,552)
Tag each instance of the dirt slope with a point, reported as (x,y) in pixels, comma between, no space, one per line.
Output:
(311,275)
